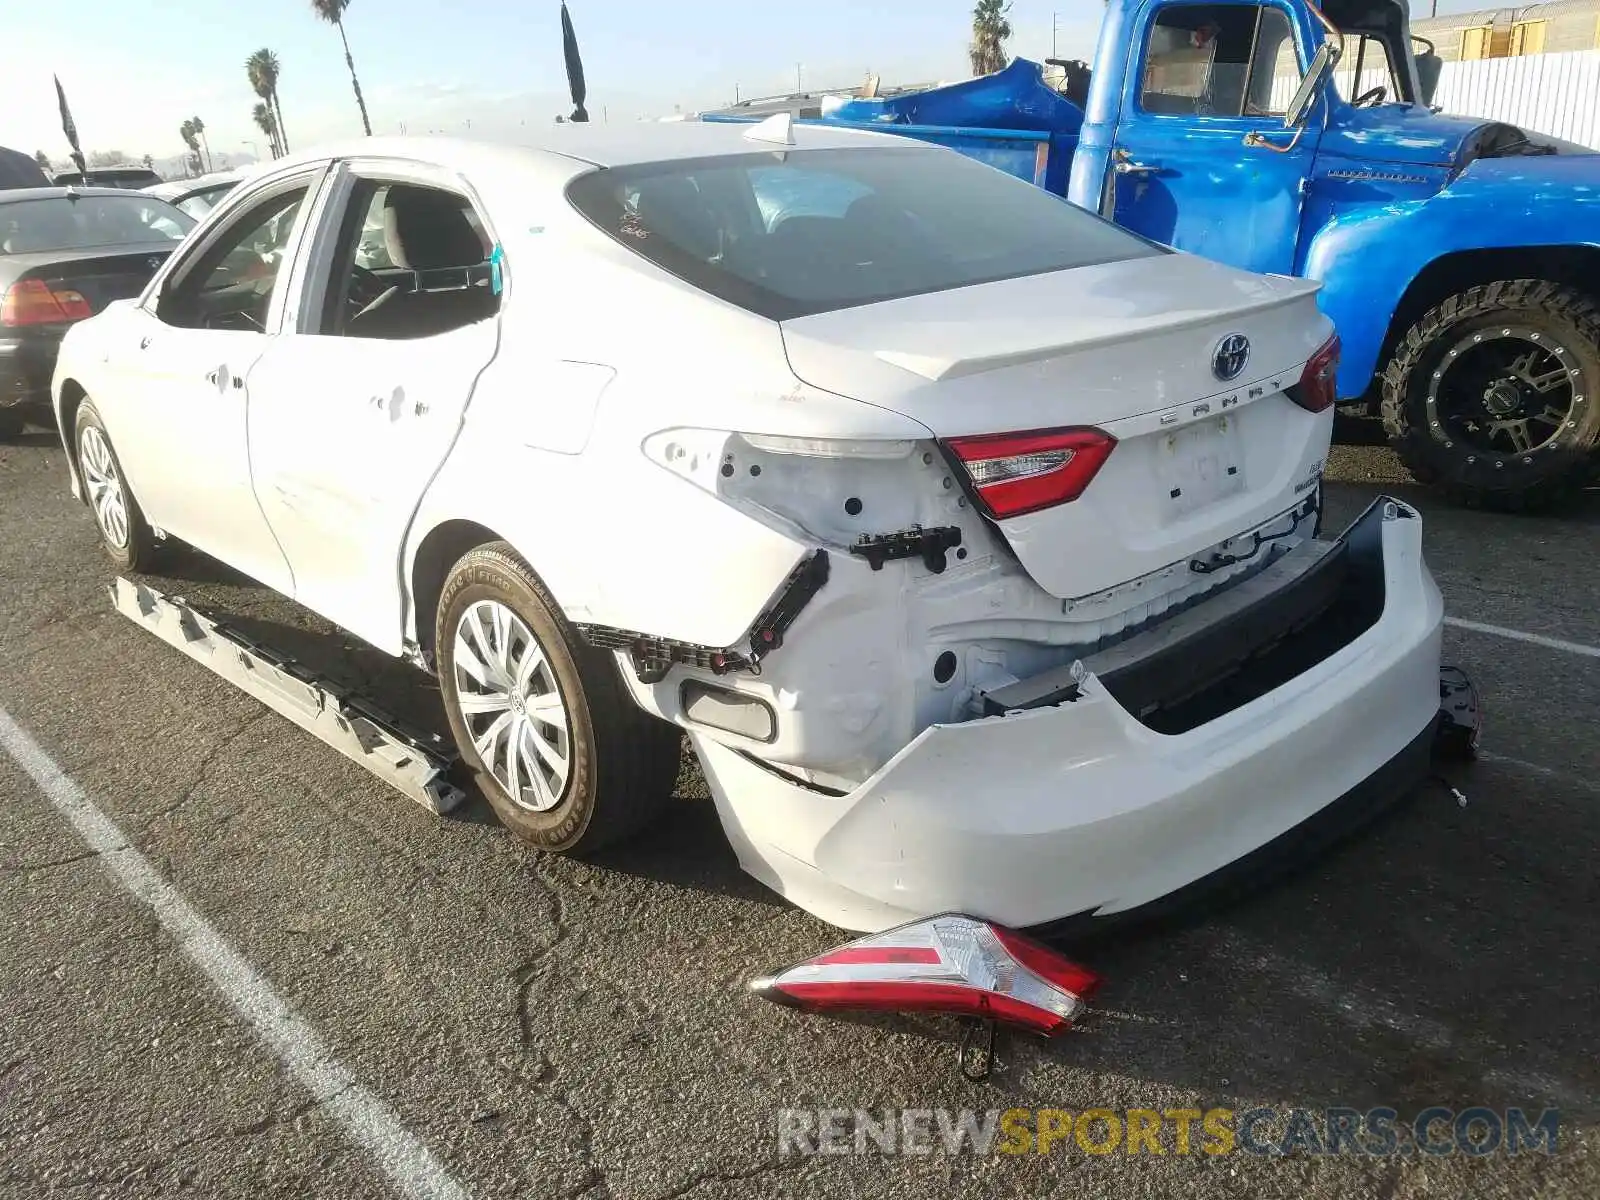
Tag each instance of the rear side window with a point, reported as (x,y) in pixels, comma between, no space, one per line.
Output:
(786,235)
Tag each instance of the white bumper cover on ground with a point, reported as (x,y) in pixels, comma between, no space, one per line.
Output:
(1078,808)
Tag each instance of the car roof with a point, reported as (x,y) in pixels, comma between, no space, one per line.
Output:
(57,193)
(617,145)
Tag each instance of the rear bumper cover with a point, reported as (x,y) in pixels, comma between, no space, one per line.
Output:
(1081,807)
(27,362)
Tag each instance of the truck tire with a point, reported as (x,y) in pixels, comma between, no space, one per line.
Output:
(1494,395)
(567,760)
(124,532)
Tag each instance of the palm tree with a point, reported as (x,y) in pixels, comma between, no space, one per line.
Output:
(332,11)
(263,69)
(43,159)
(268,124)
(191,139)
(990,29)
(200,132)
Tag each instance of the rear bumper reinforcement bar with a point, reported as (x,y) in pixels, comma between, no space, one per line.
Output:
(415,763)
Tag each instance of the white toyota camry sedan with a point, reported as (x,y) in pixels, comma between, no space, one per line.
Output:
(972,540)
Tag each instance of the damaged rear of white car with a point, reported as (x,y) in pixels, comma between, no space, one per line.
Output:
(1061,640)
(970,538)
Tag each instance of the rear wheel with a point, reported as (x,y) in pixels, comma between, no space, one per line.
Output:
(127,536)
(1492,397)
(567,760)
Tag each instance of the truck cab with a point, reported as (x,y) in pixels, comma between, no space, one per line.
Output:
(1460,257)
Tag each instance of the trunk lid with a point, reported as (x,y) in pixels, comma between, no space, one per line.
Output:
(99,276)
(1127,348)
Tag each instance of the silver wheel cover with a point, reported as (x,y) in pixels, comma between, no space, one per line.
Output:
(511,705)
(104,486)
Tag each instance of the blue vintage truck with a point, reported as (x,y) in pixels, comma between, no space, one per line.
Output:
(1459,257)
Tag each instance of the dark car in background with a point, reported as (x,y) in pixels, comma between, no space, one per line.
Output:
(20,170)
(66,253)
(131,178)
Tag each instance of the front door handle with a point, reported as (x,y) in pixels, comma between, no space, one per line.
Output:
(214,378)
(144,342)
(1124,164)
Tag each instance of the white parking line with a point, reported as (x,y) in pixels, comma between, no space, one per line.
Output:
(368,1122)
(1517,635)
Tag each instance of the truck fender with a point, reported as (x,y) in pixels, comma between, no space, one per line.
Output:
(1498,219)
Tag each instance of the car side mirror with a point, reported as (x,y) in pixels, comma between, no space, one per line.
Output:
(1305,96)
(1429,67)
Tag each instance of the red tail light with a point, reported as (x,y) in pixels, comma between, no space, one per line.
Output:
(948,964)
(31,302)
(1017,473)
(1317,388)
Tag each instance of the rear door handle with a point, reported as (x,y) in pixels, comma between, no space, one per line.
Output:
(214,378)
(1125,165)
(144,342)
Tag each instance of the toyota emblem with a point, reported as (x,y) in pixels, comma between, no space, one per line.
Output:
(1230,357)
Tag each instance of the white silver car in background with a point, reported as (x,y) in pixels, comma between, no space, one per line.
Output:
(969,537)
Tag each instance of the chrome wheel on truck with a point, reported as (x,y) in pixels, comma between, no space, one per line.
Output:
(1492,395)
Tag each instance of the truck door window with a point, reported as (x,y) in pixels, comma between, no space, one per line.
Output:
(1365,66)
(1216,60)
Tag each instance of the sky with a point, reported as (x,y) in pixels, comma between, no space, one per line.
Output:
(133,72)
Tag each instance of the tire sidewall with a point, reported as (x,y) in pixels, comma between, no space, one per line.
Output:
(483,576)
(1569,456)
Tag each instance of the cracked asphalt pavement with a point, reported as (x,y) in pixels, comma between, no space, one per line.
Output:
(549,1028)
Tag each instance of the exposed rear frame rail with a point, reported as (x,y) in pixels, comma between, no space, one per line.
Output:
(414,763)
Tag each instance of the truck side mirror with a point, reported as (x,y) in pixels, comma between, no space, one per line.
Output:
(1429,67)
(1295,115)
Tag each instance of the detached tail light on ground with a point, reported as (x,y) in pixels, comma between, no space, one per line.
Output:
(31,302)
(948,964)
(1017,473)
(1317,388)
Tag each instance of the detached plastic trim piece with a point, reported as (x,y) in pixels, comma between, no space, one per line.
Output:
(413,763)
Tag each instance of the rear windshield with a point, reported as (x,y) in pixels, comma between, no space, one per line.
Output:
(89,222)
(129,177)
(791,234)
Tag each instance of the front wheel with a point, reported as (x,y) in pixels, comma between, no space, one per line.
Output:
(127,536)
(566,759)
(1491,396)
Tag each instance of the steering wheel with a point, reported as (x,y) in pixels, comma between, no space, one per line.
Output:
(365,290)
(1372,98)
